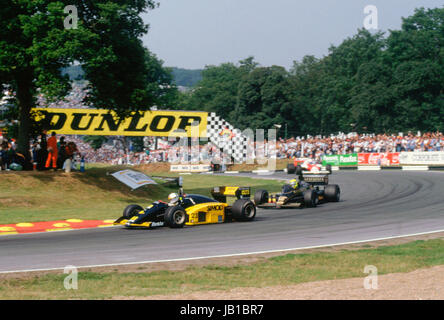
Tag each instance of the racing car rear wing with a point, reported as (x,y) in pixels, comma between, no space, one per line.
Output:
(315,179)
(221,193)
(324,172)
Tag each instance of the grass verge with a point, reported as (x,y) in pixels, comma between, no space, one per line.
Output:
(44,196)
(280,270)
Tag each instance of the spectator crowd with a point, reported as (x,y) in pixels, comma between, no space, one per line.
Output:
(52,152)
(44,153)
(316,147)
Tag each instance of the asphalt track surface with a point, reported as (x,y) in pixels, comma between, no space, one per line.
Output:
(373,205)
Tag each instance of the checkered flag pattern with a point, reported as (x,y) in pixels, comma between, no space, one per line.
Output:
(226,137)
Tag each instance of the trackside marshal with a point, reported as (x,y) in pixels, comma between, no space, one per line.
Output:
(104,122)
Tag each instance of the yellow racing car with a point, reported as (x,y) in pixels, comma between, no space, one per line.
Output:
(191,209)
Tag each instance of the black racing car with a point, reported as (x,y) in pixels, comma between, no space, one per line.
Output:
(312,190)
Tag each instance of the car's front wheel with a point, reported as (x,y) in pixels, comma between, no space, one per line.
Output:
(332,193)
(175,217)
(132,210)
(260,197)
(311,198)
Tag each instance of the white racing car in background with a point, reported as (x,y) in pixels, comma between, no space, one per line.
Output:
(308,165)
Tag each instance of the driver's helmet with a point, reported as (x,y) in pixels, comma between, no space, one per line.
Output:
(173,198)
(294,183)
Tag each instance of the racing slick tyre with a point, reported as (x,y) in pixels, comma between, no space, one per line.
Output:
(332,193)
(328,168)
(131,210)
(175,217)
(310,199)
(298,170)
(243,210)
(290,168)
(260,196)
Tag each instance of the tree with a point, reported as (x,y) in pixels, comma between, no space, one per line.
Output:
(339,111)
(160,82)
(306,79)
(35,46)
(371,82)
(263,99)
(218,89)
(186,77)
(417,55)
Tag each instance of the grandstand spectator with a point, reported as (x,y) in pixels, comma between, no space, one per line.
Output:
(309,146)
(113,152)
(61,145)
(41,151)
(5,155)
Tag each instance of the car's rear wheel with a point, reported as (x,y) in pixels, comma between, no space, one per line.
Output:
(310,198)
(332,193)
(290,168)
(243,210)
(175,217)
(132,210)
(260,196)
(298,170)
(328,167)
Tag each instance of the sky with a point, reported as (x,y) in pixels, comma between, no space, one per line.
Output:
(194,33)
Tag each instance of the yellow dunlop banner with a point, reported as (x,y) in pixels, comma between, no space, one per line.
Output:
(103,122)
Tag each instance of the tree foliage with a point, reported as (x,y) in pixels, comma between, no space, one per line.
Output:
(35,46)
(185,77)
(371,82)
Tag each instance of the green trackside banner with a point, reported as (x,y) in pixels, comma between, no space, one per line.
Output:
(331,160)
(340,160)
